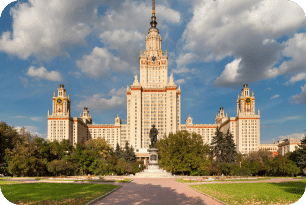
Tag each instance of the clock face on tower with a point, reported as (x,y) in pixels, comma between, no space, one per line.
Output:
(248,101)
(153,59)
(59,100)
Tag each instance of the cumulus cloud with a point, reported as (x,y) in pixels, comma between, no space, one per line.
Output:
(179,81)
(246,30)
(100,63)
(300,98)
(33,130)
(46,28)
(119,92)
(275,96)
(296,78)
(298,136)
(98,103)
(42,73)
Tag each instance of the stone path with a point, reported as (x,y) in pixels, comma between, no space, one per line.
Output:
(162,191)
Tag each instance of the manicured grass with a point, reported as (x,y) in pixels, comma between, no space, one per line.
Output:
(191,181)
(54,193)
(9,182)
(255,193)
(91,180)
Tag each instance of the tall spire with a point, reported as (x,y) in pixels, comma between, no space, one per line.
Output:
(153,18)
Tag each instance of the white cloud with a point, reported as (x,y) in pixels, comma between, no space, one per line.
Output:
(230,74)
(268,89)
(33,130)
(246,30)
(42,73)
(275,96)
(300,98)
(3,4)
(282,120)
(120,92)
(24,81)
(46,28)
(75,74)
(298,136)
(100,63)
(179,81)
(296,78)
(37,119)
(98,103)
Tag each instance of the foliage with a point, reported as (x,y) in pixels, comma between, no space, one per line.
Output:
(129,154)
(8,138)
(301,154)
(217,146)
(283,166)
(183,153)
(119,152)
(223,148)
(62,167)
(230,148)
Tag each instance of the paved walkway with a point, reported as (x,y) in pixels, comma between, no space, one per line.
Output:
(165,191)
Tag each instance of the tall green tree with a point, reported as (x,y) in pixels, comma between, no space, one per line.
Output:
(129,154)
(119,152)
(218,146)
(8,138)
(183,153)
(301,152)
(230,151)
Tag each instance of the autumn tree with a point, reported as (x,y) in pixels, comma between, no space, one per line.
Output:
(183,153)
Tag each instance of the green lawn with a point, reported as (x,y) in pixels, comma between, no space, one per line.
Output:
(54,193)
(191,181)
(9,182)
(255,193)
(90,180)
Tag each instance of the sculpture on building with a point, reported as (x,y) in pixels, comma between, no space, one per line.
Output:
(153,136)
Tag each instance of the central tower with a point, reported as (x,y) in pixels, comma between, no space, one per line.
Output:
(154,99)
(153,61)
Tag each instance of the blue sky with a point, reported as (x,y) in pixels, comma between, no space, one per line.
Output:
(214,47)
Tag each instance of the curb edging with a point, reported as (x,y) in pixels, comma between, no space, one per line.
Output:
(100,197)
(222,202)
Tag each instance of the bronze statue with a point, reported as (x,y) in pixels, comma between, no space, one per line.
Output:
(153,136)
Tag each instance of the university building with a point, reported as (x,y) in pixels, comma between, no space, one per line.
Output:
(153,98)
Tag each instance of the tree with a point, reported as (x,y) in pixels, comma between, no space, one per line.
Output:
(223,147)
(119,152)
(283,166)
(183,153)
(301,152)
(129,154)
(8,138)
(99,147)
(230,148)
(217,146)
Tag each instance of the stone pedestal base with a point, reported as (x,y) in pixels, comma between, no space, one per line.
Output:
(153,170)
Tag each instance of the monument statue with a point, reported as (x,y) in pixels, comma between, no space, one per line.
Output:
(153,136)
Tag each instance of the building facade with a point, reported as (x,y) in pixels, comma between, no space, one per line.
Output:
(153,98)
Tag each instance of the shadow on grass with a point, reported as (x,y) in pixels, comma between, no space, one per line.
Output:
(297,187)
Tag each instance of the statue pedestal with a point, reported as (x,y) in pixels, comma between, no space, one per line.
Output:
(153,158)
(153,170)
